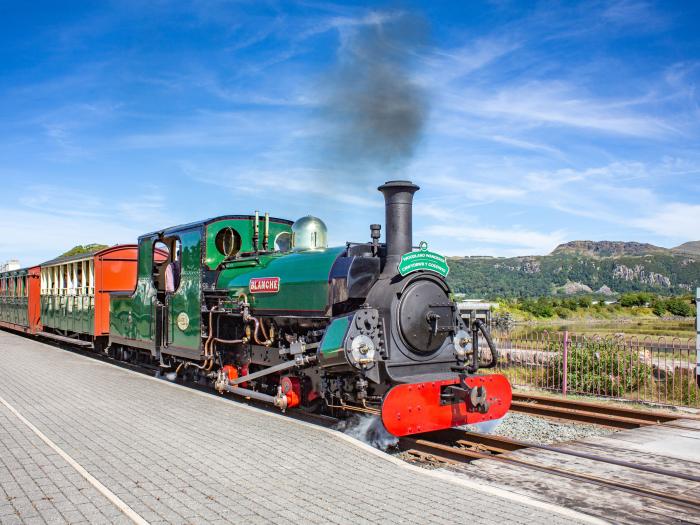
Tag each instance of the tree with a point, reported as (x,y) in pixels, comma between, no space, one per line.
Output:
(585,301)
(678,306)
(658,307)
(631,299)
(87,248)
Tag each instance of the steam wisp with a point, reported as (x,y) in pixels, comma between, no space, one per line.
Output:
(368,429)
(487,427)
(169,376)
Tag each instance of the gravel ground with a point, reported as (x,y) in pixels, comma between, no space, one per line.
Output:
(537,429)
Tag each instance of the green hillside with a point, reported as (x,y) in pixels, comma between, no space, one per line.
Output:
(576,267)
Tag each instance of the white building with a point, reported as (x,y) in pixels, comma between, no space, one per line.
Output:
(12,264)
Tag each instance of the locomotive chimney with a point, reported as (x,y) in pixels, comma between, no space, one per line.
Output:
(398,198)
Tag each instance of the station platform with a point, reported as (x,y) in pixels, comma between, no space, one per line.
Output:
(84,441)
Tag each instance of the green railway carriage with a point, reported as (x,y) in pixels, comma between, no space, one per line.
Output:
(68,294)
(14,298)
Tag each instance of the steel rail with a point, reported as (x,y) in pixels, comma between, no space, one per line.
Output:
(456,455)
(500,443)
(653,416)
(596,413)
(572,414)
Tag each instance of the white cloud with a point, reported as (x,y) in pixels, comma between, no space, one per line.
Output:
(34,236)
(673,220)
(556,103)
(514,240)
(445,66)
(48,220)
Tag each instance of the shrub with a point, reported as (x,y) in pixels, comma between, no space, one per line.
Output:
(585,302)
(599,367)
(570,304)
(678,306)
(658,307)
(540,308)
(562,312)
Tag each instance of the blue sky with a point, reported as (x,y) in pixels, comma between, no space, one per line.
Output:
(542,122)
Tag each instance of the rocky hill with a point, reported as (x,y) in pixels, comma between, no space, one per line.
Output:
(607,248)
(605,267)
(688,248)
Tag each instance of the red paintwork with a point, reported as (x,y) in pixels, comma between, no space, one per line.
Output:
(115,271)
(34,302)
(291,387)
(231,371)
(414,408)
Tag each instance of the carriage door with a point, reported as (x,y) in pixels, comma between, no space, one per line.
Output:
(162,258)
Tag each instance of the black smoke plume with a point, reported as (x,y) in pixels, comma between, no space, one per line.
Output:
(371,103)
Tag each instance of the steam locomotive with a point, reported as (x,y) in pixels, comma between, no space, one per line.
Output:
(262,308)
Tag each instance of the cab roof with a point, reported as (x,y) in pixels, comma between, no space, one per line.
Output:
(191,225)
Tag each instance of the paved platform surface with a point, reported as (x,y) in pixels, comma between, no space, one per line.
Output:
(173,455)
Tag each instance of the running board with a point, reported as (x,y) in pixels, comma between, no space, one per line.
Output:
(64,339)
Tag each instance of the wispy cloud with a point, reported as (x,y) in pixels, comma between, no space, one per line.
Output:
(673,220)
(515,240)
(55,218)
(541,103)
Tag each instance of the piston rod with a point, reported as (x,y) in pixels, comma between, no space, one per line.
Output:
(246,392)
(299,361)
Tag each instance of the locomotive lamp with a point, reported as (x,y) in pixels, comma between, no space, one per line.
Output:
(363,350)
(463,345)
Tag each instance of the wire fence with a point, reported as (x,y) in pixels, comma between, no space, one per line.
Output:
(649,369)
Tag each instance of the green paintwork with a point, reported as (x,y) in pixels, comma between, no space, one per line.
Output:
(303,279)
(188,297)
(335,335)
(423,260)
(14,309)
(132,316)
(244,227)
(72,313)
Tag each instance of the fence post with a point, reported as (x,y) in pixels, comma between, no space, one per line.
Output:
(697,336)
(565,365)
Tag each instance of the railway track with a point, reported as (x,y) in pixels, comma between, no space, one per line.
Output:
(595,413)
(456,446)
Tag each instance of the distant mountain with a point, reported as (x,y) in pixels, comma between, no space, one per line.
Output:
(603,267)
(688,248)
(607,248)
